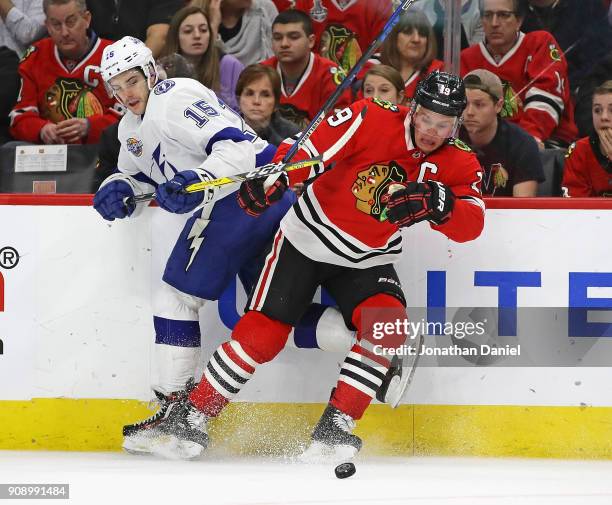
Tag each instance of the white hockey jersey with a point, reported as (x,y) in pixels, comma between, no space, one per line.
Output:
(185,126)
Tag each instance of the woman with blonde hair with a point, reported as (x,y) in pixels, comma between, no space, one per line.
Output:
(384,82)
(191,36)
(411,49)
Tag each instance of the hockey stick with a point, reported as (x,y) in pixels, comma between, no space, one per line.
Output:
(267,170)
(348,80)
(318,119)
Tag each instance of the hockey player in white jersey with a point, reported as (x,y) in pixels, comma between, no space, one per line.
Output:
(177,132)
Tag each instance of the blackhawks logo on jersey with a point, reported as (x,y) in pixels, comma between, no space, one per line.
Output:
(370,188)
(340,45)
(292,113)
(555,54)
(512,102)
(570,150)
(68,98)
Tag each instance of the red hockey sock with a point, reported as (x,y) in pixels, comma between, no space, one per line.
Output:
(207,399)
(350,400)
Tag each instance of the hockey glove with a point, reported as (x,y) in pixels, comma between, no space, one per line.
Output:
(110,200)
(171,197)
(254,199)
(416,202)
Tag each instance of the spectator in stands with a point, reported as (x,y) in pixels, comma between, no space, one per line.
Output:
(588,164)
(213,9)
(307,79)
(63,99)
(245,28)
(384,82)
(259,92)
(508,155)
(344,29)
(533,70)
(190,36)
(410,48)
(9,89)
(144,19)
(579,26)
(600,73)
(21,23)
(471,25)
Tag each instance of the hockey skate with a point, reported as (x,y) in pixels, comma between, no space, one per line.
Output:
(184,432)
(332,439)
(398,377)
(141,437)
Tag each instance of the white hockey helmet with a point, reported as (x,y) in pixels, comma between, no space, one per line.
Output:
(125,54)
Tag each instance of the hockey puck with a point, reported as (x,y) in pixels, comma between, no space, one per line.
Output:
(345,470)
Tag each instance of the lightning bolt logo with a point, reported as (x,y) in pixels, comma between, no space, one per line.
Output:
(199,225)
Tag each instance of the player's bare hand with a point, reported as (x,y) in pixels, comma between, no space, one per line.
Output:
(73,130)
(605,140)
(49,135)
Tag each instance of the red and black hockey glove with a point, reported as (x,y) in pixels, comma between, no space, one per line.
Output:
(254,200)
(419,201)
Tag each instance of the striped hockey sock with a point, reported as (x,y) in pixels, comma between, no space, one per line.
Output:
(228,370)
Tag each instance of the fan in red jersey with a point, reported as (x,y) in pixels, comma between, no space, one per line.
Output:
(532,68)
(307,79)
(588,164)
(392,167)
(62,98)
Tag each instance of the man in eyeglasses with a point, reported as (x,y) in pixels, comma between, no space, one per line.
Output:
(62,99)
(532,68)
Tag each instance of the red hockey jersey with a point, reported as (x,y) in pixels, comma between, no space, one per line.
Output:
(52,93)
(534,74)
(318,82)
(341,217)
(587,172)
(345,28)
(414,80)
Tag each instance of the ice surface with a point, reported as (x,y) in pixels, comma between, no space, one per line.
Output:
(116,478)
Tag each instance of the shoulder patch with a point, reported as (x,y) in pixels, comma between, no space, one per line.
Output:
(338,74)
(555,54)
(134,146)
(27,53)
(385,104)
(570,150)
(164,87)
(459,144)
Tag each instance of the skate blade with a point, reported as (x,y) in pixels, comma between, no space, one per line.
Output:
(170,447)
(318,452)
(140,444)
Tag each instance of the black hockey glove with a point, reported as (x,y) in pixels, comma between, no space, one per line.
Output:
(418,201)
(254,200)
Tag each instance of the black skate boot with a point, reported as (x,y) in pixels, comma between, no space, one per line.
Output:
(332,438)
(139,438)
(187,426)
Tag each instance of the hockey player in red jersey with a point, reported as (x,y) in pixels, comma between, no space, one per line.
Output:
(62,98)
(588,163)
(532,68)
(307,79)
(399,167)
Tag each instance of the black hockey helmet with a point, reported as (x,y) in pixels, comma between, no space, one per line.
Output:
(443,93)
